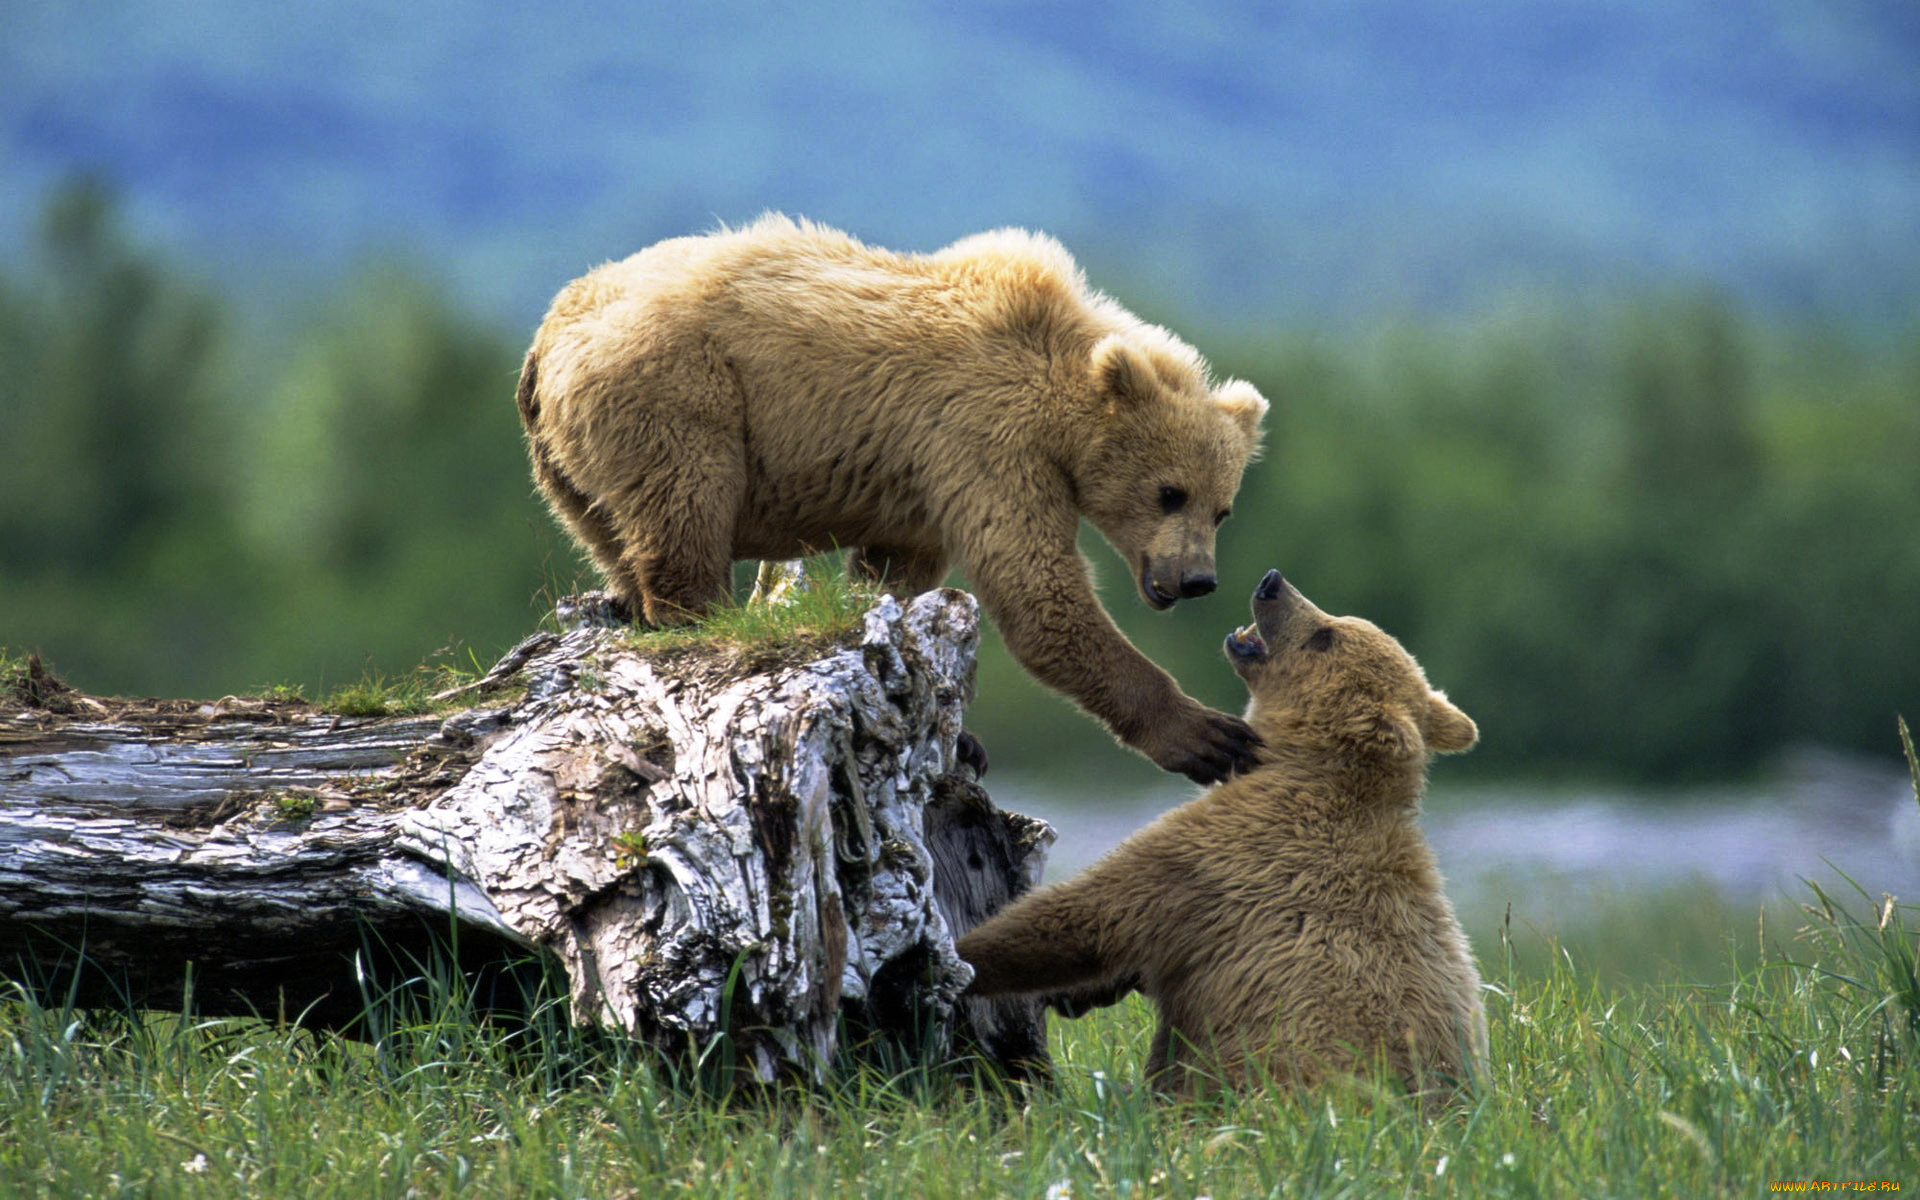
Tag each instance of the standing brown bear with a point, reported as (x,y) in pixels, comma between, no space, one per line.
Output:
(782,389)
(1289,923)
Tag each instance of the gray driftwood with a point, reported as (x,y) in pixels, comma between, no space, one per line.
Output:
(780,852)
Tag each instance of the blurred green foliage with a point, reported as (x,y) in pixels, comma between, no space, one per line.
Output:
(193,505)
(1656,540)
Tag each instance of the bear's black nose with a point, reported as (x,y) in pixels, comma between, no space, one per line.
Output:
(1197,583)
(1270,585)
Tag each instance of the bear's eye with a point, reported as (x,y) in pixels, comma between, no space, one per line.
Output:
(1172,500)
(1321,640)
(1220,517)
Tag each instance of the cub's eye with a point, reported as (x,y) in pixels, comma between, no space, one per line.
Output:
(1321,639)
(1172,500)
(1221,516)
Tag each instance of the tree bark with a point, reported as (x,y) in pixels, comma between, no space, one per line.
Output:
(760,852)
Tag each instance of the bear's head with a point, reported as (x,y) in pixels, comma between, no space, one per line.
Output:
(1158,474)
(1338,683)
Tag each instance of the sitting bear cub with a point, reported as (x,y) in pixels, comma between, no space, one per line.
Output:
(1289,923)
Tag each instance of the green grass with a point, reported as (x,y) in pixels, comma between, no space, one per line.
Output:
(18,683)
(1802,1066)
(379,695)
(819,615)
(13,674)
(1618,937)
(376,695)
(1801,1062)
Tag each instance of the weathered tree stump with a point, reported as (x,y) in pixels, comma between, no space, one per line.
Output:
(774,851)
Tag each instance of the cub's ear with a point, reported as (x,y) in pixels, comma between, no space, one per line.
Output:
(1243,402)
(1449,731)
(1123,373)
(1390,732)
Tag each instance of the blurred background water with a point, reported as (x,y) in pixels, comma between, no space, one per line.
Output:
(1821,816)
(1590,327)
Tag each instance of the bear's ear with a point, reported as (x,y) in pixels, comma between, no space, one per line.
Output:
(1122,372)
(1390,732)
(1449,731)
(1243,402)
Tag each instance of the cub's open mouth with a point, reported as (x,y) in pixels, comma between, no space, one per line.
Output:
(1246,643)
(1150,591)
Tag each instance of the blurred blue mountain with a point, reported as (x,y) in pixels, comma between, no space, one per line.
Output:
(1241,164)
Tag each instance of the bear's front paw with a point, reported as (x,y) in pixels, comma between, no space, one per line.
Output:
(1205,745)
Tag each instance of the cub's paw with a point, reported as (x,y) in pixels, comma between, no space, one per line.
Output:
(1203,744)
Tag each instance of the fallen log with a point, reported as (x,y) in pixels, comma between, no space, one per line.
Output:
(772,848)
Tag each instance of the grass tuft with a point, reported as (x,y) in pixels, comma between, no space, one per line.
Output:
(412,694)
(822,613)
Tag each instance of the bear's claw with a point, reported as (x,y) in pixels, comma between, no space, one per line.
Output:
(1229,749)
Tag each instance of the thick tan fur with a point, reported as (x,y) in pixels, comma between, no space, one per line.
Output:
(1289,923)
(782,389)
